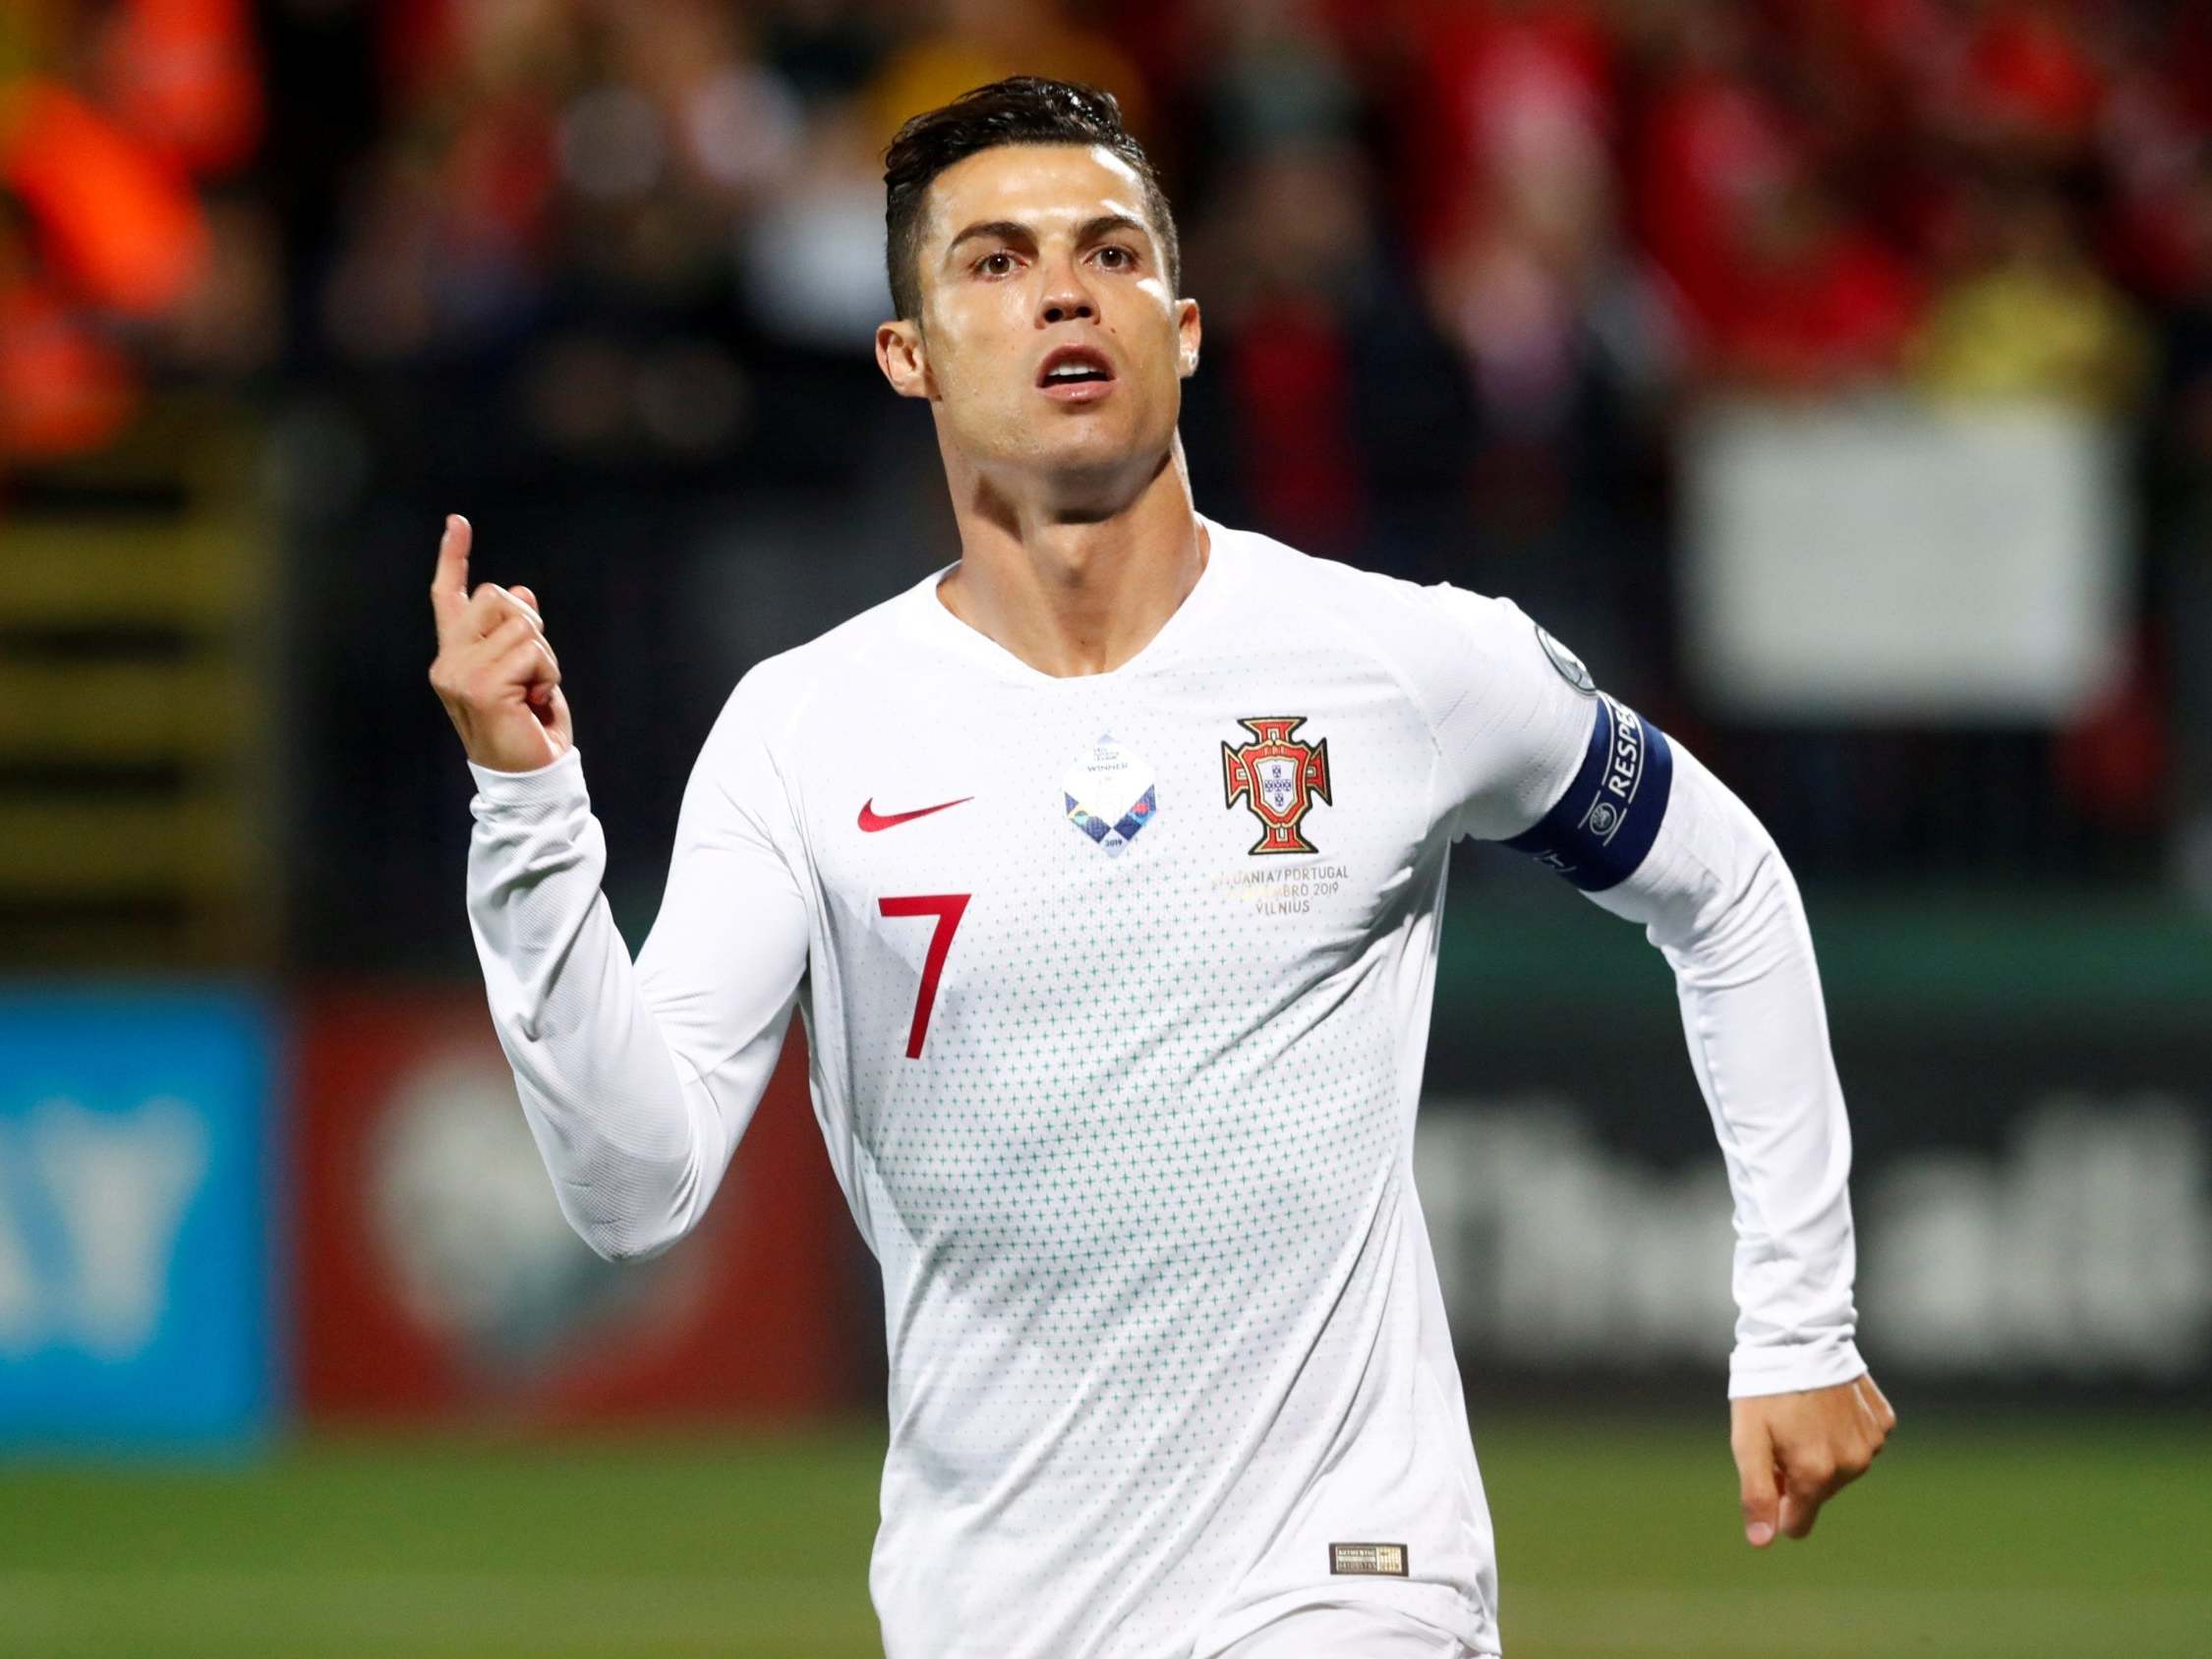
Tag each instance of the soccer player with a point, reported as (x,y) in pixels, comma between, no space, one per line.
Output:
(1104,866)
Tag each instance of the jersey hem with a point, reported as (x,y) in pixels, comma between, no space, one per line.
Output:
(1450,1611)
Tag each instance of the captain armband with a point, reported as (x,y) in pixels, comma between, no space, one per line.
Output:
(1601,830)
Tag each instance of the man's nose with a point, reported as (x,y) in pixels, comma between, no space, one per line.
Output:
(1066,299)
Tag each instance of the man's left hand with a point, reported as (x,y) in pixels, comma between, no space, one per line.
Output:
(1796,1451)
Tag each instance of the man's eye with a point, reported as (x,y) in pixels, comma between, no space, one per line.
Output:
(995,264)
(1117,258)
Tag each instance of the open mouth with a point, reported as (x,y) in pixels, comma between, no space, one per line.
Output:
(1076,373)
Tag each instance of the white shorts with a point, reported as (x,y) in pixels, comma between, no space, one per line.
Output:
(1348,1632)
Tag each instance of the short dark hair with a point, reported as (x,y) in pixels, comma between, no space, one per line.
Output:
(1024,109)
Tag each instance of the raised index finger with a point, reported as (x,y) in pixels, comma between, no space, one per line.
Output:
(450,586)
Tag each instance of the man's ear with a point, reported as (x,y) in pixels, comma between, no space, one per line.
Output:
(904,357)
(1187,327)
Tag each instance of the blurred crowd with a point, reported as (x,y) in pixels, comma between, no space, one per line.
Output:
(119,259)
(1985,198)
(1463,261)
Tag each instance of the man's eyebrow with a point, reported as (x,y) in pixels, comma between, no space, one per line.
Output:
(1106,224)
(1013,230)
(998,230)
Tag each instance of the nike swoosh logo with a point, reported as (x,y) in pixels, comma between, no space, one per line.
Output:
(871,819)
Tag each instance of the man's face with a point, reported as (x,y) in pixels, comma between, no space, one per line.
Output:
(1050,341)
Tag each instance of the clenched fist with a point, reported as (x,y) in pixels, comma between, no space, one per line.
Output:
(1796,1451)
(494,673)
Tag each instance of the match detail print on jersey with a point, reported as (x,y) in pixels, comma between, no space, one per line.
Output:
(1279,778)
(1599,832)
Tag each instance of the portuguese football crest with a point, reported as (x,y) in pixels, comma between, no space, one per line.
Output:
(1279,779)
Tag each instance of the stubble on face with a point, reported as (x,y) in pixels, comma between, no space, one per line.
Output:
(1029,247)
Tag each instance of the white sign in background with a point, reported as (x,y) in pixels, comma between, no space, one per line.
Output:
(1898,561)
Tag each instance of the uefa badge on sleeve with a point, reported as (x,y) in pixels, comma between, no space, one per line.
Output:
(1571,668)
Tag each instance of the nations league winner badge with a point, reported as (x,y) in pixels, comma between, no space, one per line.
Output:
(1110,793)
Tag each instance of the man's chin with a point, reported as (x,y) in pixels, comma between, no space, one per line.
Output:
(1065,458)
(1107,474)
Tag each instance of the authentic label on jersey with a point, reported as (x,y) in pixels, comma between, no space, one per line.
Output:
(1110,793)
(1279,779)
(1372,1560)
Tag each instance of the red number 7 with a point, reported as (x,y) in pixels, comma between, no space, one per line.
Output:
(947,908)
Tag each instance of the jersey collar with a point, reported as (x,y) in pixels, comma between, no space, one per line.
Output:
(929,616)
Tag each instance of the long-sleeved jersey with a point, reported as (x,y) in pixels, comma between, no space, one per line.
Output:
(1117,990)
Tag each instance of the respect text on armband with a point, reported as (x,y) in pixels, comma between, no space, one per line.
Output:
(1603,826)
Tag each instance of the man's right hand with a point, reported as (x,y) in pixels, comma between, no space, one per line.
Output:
(494,673)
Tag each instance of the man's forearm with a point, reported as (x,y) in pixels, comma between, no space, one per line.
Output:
(617,1123)
(1717,900)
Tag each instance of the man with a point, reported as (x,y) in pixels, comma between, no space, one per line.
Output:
(1104,867)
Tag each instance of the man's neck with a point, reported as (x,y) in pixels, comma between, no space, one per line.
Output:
(1075,594)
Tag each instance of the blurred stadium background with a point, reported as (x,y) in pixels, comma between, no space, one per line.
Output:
(1835,376)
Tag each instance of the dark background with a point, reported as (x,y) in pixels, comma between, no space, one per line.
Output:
(281,284)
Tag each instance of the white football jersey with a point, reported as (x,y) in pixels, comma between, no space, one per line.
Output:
(1117,991)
